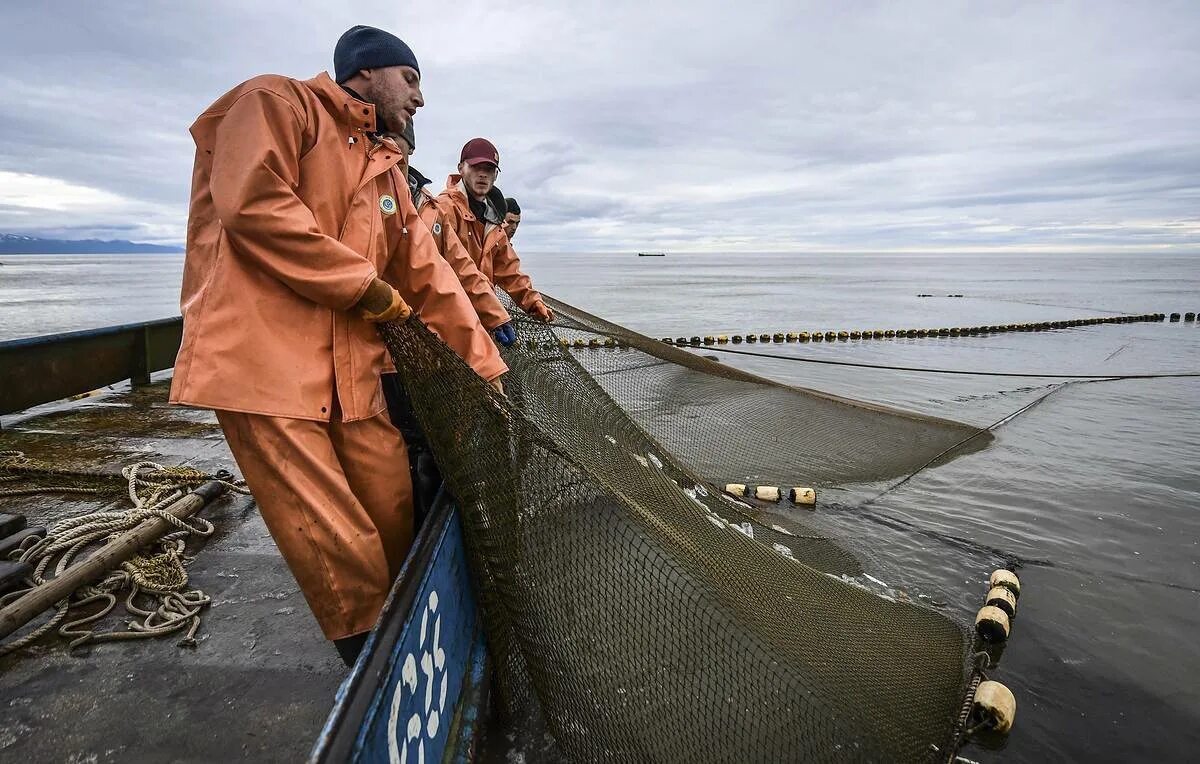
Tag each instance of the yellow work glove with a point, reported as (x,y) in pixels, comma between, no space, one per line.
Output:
(539,311)
(382,303)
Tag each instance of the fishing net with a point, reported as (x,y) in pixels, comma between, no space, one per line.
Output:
(730,425)
(641,613)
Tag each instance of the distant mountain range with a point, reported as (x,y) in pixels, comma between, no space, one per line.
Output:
(14,244)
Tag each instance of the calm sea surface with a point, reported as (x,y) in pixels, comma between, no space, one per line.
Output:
(1097,486)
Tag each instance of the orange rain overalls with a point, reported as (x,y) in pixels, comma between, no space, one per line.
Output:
(477,286)
(294,212)
(486,242)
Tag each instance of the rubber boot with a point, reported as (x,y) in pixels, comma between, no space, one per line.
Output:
(349,647)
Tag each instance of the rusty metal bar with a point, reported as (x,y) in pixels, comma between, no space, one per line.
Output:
(43,369)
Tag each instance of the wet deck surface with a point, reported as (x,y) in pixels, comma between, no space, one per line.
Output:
(262,679)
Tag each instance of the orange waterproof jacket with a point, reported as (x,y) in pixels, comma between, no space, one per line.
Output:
(486,242)
(477,286)
(294,211)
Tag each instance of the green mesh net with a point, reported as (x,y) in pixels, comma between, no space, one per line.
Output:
(643,615)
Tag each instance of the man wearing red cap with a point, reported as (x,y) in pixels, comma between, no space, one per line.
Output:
(478,287)
(299,241)
(474,209)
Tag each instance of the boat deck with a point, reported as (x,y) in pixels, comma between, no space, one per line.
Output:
(261,681)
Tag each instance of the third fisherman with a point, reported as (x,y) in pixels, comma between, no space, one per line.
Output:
(477,286)
(474,209)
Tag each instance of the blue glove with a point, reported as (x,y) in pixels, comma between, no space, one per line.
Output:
(506,334)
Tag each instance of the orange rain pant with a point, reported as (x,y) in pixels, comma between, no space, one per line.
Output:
(337,498)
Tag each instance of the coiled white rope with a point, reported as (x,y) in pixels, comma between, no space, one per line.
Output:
(161,575)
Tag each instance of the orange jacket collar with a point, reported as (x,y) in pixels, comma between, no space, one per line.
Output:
(458,195)
(358,114)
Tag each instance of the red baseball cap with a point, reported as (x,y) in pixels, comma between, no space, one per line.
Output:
(479,150)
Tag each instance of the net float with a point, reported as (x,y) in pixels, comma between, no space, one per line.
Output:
(1007,579)
(994,705)
(1002,598)
(805,497)
(767,493)
(992,623)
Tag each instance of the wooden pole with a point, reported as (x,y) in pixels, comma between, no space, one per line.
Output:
(109,556)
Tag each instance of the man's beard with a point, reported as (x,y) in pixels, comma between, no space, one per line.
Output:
(388,111)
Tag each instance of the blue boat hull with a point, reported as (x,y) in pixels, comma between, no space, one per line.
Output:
(417,691)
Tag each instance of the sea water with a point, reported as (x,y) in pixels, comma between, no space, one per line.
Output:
(1096,486)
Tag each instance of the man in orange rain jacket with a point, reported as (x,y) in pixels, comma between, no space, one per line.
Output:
(299,241)
(473,208)
(478,287)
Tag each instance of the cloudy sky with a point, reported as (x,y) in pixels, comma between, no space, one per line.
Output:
(696,125)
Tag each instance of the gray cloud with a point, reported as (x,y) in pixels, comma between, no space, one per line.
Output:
(633,125)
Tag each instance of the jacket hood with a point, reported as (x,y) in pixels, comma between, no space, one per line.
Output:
(416,185)
(496,197)
(455,188)
(416,179)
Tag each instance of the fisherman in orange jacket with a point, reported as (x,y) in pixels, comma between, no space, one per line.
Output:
(478,287)
(473,208)
(299,242)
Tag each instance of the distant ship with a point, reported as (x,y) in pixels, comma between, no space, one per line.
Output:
(652,254)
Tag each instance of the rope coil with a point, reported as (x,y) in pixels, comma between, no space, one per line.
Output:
(160,575)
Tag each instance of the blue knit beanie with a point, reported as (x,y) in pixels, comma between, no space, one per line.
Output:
(364,47)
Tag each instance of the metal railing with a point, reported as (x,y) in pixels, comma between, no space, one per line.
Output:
(43,369)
